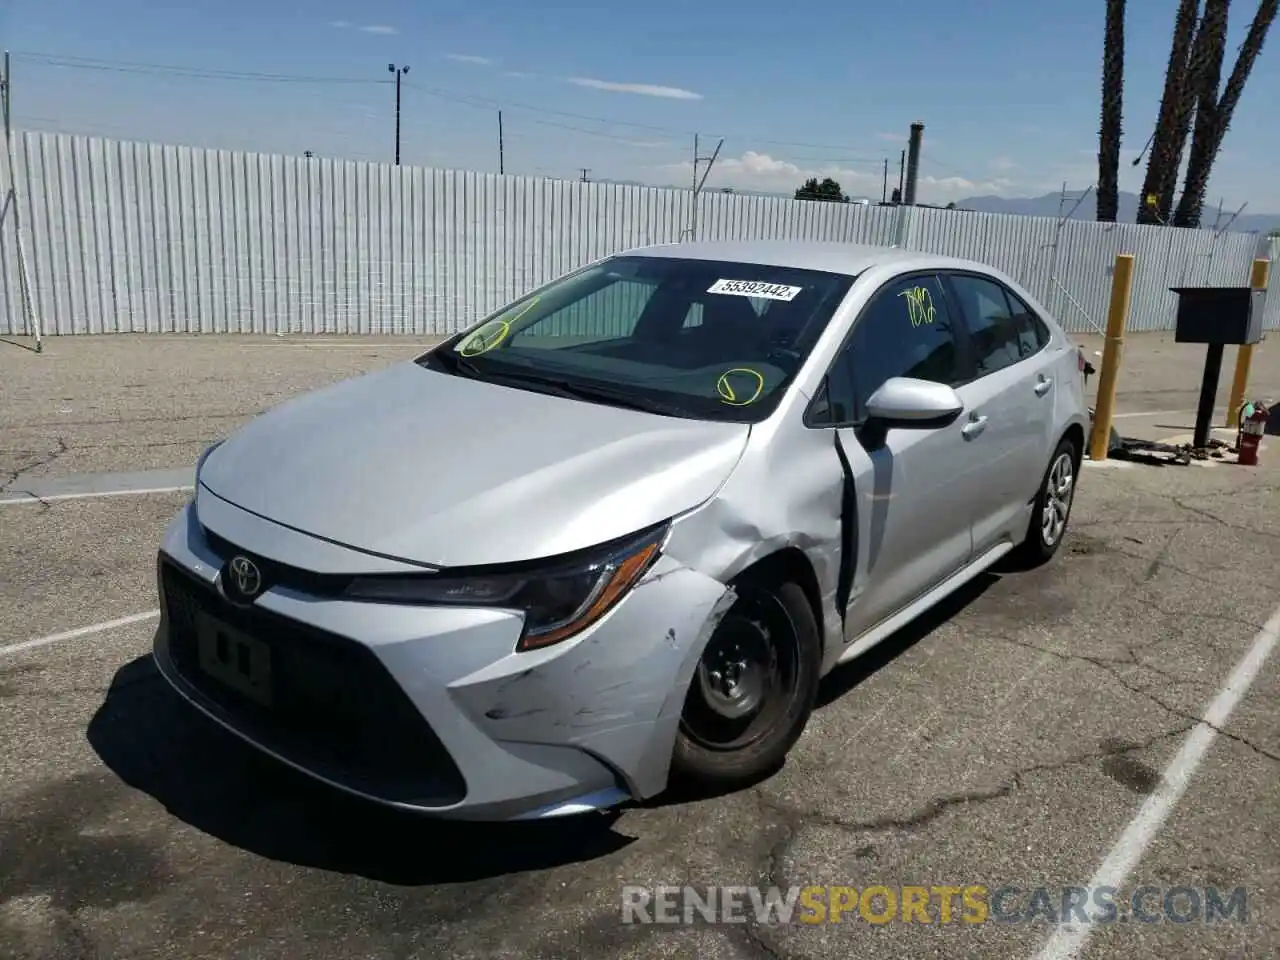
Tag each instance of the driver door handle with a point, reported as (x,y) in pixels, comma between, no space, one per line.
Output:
(974,427)
(1043,385)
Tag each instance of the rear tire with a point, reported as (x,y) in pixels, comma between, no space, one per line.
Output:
(1049,518)
(753,690)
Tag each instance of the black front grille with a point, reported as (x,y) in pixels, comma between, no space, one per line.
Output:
(275,573)
(334,708)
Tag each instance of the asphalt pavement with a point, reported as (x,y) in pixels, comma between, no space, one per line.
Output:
(1042,729)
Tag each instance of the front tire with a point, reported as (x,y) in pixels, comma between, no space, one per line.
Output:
(753,690)
(1048,527)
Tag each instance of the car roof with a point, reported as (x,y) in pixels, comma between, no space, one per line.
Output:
(832,257)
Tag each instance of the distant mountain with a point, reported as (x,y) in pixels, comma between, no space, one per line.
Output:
(1047,206)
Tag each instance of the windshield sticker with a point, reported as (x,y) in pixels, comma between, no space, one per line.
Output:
(755,288)
(919,306)
(750,386)
(492,334)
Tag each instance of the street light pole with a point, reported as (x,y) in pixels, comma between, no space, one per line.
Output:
(399,72)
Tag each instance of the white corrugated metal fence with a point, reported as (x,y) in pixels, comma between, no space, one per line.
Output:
(132,237)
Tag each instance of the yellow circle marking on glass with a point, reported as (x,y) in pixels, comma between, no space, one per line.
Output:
(493,333)
(727,393)
(485,339)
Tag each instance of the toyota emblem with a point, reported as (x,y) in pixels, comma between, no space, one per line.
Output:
(246,578)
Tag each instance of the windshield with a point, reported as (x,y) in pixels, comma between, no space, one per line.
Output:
(694,338)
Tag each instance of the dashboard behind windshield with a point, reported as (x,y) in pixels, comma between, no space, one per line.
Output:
(698,338)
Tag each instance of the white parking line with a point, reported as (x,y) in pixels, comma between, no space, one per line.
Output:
(1067,942)
(1150,413)
(27,498)
(79,632)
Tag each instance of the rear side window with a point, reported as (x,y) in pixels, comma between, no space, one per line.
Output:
(993,330)
(1033,334)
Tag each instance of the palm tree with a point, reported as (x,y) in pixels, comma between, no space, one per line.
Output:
(1213,113)
(1173,123)
(1110,131)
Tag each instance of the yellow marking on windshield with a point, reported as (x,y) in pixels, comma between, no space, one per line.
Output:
(920,308)
(492,334)
(729,395)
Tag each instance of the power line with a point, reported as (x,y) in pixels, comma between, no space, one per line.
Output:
(121,66)
(489,103)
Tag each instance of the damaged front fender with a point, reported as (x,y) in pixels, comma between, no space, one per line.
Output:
(615,692)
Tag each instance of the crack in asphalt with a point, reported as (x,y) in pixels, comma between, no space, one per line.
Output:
(793,820)
(1214,518)
(42,461)
(1106,664)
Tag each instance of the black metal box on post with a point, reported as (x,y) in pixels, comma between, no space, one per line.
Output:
(1216,316)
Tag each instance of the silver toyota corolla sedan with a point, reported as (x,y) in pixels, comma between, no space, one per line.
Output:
(617,531)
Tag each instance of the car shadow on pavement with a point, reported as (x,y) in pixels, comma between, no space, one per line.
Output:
(157,743)
(843,679)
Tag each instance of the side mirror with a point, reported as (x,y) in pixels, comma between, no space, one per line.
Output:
(905,402)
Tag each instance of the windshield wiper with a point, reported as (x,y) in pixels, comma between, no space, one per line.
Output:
(455,363)
(592,392)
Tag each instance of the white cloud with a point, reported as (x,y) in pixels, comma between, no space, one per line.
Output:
(1003,163)
(760,171)
(643,89)
(468,58)
(377,28)
(892,137)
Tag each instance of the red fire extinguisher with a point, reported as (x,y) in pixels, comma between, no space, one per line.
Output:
(1253,423)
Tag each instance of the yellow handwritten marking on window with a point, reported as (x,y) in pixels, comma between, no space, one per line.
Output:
(920,308)
(492,334)
(730,396)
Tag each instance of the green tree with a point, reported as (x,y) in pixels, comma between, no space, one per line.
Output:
(828,189)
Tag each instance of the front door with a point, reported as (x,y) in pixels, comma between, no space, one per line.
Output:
(913,488)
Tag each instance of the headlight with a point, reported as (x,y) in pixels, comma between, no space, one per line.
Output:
(559,598)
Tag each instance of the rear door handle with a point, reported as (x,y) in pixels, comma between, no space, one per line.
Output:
(1043,385)
(974,427)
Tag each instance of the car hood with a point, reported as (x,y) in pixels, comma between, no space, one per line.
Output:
(446,471)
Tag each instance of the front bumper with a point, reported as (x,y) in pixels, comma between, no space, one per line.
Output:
(430,709)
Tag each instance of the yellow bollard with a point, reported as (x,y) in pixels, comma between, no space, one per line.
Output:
(1117,316)
(1244,352)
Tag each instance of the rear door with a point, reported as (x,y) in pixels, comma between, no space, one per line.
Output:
(1012,394)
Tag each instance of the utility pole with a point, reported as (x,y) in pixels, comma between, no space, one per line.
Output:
(11,204)
(399,72)
(884,186)
(4,89)
(500,165)
(585,171)
(902,173)
(697,183)
(913,163)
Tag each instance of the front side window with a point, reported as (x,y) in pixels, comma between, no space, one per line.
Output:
(695,338)
(906,330)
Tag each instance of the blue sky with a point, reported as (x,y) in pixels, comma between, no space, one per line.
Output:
(1007,90)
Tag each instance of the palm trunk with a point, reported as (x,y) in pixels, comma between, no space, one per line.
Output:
(1173,122)
(1216,120)
(1206,78)
(1111,129)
